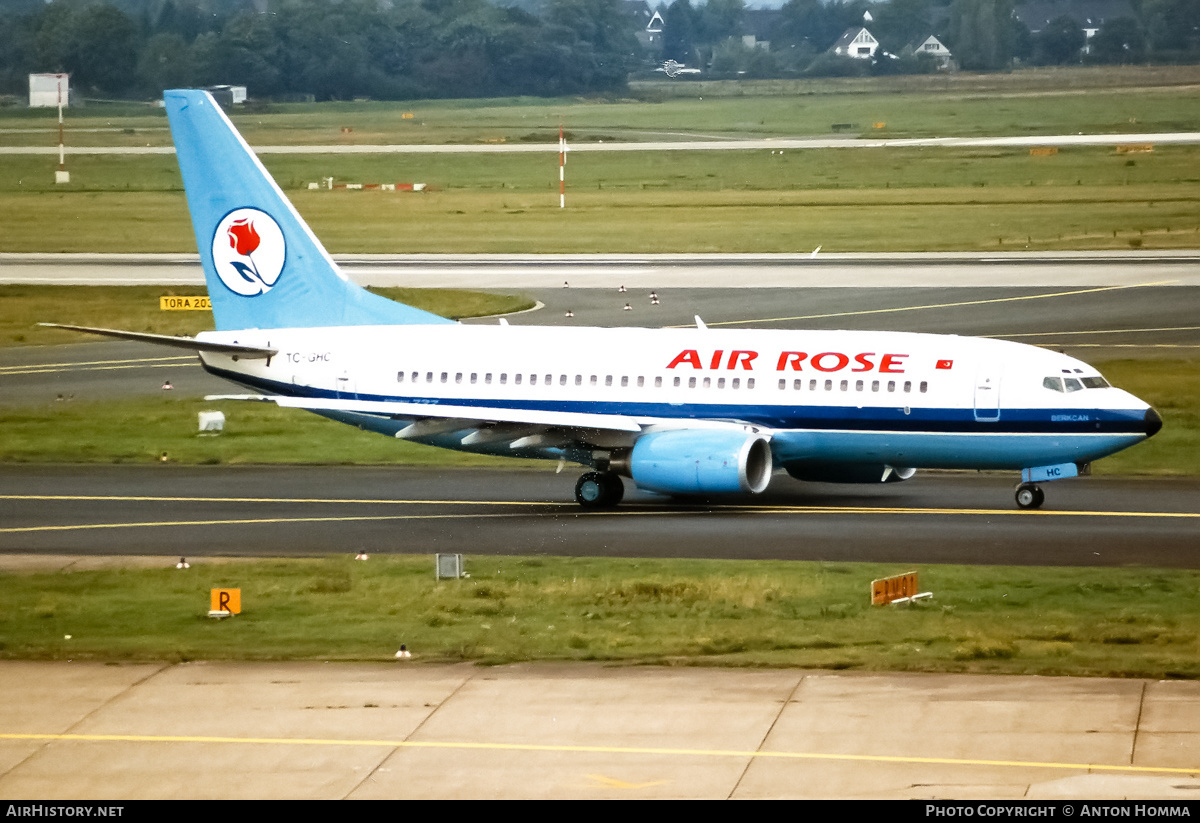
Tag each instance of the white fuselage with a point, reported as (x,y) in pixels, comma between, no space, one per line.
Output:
(913,400)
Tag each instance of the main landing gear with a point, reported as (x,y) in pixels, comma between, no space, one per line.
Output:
(599,490)
(1030,496)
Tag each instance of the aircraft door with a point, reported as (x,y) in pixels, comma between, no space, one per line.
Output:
(987,394)
(347,386)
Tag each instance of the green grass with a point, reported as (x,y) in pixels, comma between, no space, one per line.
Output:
(1048,621)
(136,308)
(1172,387)
(888,199)
(1107,100)
(164,429)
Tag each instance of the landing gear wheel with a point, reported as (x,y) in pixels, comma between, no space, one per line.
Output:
(599,490)
(1030,496)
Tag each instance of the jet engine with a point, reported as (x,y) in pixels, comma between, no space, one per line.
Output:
(849,472)
(701,461)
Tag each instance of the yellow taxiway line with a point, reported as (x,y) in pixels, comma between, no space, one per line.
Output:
(633,750)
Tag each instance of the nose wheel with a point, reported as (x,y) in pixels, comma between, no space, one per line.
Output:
(1030,496)
(599,490)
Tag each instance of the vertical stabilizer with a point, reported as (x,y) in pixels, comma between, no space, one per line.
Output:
(264,267)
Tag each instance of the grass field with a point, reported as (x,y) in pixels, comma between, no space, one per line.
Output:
(887,199)
(842,200)
(1048,621)
(1039,101)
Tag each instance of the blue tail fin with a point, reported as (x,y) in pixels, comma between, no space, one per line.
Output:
(264,267)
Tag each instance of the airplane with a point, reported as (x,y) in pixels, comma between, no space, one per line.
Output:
(681,412)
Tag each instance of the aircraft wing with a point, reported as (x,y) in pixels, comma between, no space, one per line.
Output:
(189,343)
(489,423)
(469,415)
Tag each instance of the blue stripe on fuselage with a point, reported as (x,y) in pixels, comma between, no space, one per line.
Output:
(921,438)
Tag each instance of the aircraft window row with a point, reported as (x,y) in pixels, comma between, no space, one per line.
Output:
(859,385)
(1072,384)
(548,380)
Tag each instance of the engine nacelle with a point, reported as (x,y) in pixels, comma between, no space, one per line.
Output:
(849,472)
(701,461)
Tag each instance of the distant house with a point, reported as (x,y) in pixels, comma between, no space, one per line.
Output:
(932,46)
(856,42)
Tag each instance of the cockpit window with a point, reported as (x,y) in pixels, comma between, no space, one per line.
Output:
(1052,383)
(1096,383)
(1073,384)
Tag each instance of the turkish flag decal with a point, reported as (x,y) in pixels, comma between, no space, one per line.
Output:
(945,364)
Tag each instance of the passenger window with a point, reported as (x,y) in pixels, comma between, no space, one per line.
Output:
(579,380)
(907,386)
(737,381)
(874,385)
(858,385)
(399,377)
(691,382)
(749,382)
(503,378)
(487,378)
(1052,383)
(533,379)
(845,385)
(658,382)
(676,382)
(562,380)
(797,384)
(458,377)
(891,385)
(474,378)
(516,379)
(924,386)
(444,376)
(828,385)
(608,379)
(428,377)
(782,385)
(708,382)
(812,385)
(641,381)
(624,381)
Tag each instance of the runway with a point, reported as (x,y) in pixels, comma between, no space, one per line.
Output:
(959,517)
(398,731)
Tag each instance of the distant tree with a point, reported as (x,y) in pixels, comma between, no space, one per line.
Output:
(984,35)
(679,32)
(718,20)
(899,23)
(1060,42)
(1120,40)
(96,43)
(1173,27)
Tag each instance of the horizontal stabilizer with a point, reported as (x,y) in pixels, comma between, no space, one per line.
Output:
(190,343)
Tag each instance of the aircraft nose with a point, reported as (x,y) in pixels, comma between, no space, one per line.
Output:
(1153,422)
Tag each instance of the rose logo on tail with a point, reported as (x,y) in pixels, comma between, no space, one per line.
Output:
(248,251)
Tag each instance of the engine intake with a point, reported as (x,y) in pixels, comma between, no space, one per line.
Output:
(700,461)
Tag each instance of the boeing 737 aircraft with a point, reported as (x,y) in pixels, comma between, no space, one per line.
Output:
(680,411)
